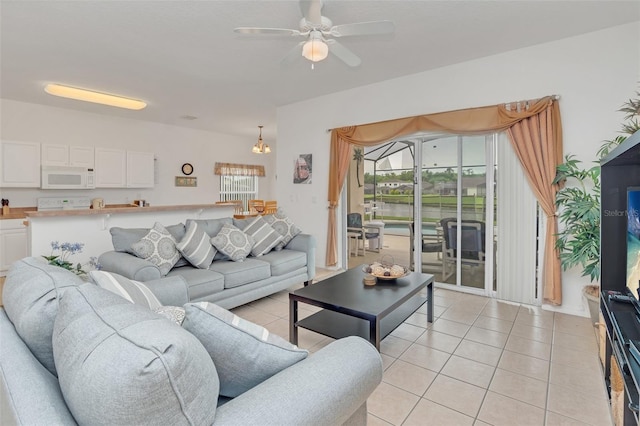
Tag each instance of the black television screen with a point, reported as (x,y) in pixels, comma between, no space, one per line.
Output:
(633,239)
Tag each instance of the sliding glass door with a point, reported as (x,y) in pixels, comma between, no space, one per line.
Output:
(457,209)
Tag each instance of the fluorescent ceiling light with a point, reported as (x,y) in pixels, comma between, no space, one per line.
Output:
(95,97)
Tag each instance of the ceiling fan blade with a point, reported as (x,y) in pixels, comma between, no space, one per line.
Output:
(344,54)
(293,55)
(270,31)
(312,11)
(363,28)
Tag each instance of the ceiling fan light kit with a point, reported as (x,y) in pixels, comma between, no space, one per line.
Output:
(93,96)
(315,49)
(320,34)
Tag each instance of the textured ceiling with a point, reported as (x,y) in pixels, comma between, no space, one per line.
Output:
(184,59)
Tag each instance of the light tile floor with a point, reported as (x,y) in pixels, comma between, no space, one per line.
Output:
(481,362)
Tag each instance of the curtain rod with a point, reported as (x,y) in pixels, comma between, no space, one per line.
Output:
(555,97)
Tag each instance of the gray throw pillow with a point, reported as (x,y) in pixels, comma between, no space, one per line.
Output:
(263,234)
(158,247)
(285,227)
(31,294)
(233,242)
(196,246)
(120,363)
(134,291)
(245,354)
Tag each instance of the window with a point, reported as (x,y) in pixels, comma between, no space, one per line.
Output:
(239,181)
(242,188)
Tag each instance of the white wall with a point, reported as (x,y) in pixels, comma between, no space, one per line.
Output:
(593,73)
(172,146)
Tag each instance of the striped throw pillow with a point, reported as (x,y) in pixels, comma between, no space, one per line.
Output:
(134,291)
(264,235)
(196,246)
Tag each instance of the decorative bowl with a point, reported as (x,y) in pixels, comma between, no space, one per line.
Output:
(378,270)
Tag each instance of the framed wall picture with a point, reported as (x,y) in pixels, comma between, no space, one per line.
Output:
(186,181)
(302,168)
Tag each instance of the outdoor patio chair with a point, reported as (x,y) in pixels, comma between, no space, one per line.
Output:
(473,244)
(430,244)
(354,225)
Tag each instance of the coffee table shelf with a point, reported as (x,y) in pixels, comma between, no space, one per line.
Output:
(337,325)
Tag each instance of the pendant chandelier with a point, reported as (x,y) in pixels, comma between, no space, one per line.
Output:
(260,147)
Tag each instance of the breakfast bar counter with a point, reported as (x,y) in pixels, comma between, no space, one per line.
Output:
(122,209)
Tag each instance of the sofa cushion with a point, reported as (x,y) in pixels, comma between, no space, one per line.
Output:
(285,227)
(134,291)
(240,273)
(263,234)
(245,354)
(212,226)
(233,242)
(158,247)
(285,261)
(123,238)
(30,295)
(120,363)
(200,282)
(196,246)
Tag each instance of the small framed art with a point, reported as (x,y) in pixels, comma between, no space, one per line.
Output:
(186,181)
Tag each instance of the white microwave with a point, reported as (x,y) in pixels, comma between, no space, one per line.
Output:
(67,178)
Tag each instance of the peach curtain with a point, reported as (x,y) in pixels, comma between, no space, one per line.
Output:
(468,121)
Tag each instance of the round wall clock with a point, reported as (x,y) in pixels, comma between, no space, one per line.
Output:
(187,169)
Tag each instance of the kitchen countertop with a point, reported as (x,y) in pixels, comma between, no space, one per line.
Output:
(120,208)
(17,213)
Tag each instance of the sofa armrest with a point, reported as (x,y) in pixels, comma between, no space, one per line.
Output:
(129,266)
(29,393)
(307,244)
(327,388)
(170,291)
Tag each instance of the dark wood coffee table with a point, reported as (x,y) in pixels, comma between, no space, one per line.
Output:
(351,308)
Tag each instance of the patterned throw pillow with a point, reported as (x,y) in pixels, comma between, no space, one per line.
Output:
(264,235)
(172,313)
(285,227)
(134,291)
(196,246)
(245,354)
(233,242)
(158,247)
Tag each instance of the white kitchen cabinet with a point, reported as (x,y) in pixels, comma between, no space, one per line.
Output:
(20,164)
(65,155)
(13,243)
(54,155)
(82,156)
(110,168)
(140,169)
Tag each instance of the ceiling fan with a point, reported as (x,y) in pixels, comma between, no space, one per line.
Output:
(319,32)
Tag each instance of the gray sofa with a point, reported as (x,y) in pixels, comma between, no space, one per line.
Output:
(48,377)
(225,283)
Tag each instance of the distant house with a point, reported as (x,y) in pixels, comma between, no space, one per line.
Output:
(392,184)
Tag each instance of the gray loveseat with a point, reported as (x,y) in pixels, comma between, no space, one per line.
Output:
(66,343)
(225,283)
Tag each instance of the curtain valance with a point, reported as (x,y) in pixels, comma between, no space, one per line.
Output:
(230,169)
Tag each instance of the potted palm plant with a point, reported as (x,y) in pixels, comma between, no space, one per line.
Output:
(578,202)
